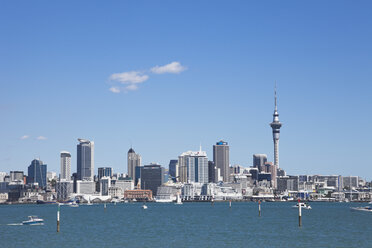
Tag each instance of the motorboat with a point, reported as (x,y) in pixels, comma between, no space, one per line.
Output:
(33,220)
(144,206)
(365,209)
(303,205)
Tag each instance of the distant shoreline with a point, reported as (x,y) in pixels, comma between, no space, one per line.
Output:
(194,201)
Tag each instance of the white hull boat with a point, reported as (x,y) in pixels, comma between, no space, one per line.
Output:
(33,220)
(303,206)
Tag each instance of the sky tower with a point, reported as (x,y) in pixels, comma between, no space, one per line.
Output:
(276,125)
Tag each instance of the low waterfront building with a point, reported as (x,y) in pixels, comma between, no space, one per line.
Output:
(138,194)
(115,192)
(166,193)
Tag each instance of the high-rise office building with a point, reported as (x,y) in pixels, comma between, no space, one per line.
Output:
(276,125)
(221,159)
(65,166)
(37,173)
(193,166)
(259,161)
(173,168)
(134,160)
(104,172)
(85,160)
(152,177)
(16,176)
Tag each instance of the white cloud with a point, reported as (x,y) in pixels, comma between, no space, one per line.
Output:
(174,67)
(130,77)
(25,137)
(41,138)
(130,80)
(115,89)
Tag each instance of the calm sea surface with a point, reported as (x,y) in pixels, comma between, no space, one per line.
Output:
(188,225)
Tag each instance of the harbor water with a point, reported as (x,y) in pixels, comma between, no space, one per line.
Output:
(188,225)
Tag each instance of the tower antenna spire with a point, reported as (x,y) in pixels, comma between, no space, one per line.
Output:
(276,105)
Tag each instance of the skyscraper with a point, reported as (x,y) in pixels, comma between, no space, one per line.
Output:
(65,166)
(221,159)
(152,177)
(134,160)
(85,160)
(37,173)
(193,167)
(276,125)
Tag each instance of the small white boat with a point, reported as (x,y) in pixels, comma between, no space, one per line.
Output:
(33,220)
(303,205)
(74,205)
(365,209)
(144,206)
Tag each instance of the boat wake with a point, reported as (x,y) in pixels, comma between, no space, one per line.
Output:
(21,224)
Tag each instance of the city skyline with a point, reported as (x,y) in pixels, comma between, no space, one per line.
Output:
(116,77)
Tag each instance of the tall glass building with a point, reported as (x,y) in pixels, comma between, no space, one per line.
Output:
(85,160)
(37,173)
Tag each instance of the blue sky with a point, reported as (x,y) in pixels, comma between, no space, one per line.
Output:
(59,60)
